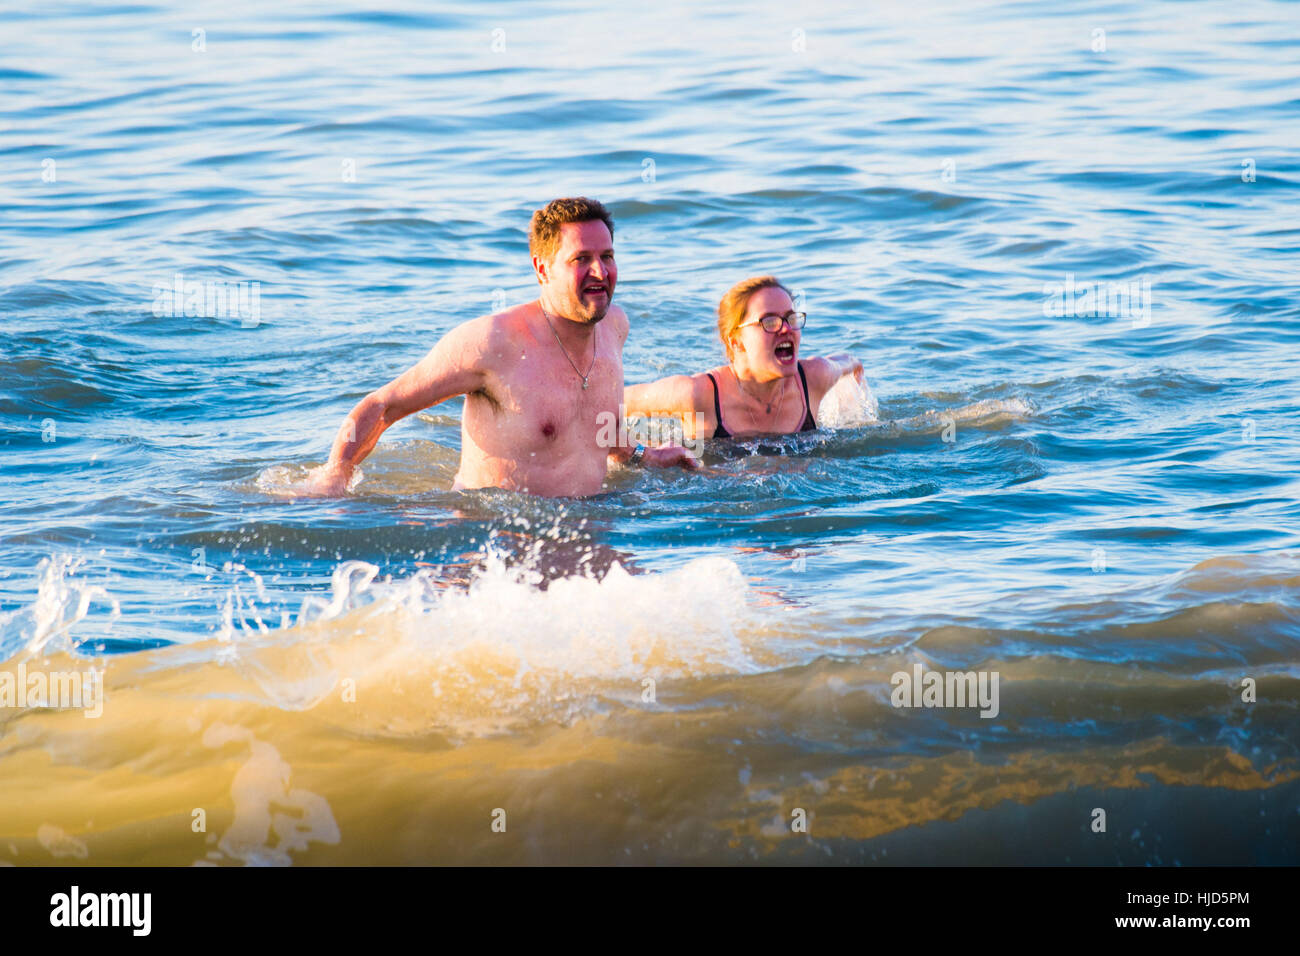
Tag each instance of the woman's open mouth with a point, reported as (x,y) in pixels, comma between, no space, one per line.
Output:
(785,352)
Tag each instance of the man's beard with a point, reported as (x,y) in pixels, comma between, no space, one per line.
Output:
(588,312)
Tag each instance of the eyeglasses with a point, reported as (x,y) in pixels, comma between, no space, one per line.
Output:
(772,322)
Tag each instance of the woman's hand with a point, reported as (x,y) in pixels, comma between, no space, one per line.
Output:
(844,364)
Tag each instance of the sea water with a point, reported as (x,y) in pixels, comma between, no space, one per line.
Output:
(1061,239)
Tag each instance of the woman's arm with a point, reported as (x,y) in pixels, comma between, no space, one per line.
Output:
(670,397)
(825,371)
(845,364)
(678,396)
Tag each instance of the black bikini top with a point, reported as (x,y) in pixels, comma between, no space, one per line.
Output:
(809,423)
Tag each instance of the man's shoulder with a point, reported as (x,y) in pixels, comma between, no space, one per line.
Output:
(494,327)
(618,320)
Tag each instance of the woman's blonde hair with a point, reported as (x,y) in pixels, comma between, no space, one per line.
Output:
(734,305)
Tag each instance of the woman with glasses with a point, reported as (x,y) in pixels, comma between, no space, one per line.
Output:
(764,389)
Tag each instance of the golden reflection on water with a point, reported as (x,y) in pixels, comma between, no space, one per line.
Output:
(585,771)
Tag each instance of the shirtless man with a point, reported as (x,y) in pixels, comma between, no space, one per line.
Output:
(538,379)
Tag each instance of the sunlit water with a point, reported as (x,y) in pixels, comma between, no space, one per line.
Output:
(1100,508)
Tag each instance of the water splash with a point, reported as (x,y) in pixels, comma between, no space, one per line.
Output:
(427,652)
(291,481)
(849,404)
(61,603)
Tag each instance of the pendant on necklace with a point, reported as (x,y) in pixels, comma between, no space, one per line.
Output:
(584,384)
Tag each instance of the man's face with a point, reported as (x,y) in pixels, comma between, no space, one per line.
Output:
(579,279)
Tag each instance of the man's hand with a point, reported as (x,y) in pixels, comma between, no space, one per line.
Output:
(670,456)
(324,482)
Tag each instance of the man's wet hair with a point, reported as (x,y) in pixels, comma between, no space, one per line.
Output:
(544,230)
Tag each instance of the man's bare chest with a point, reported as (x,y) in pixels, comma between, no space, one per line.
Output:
(537,400)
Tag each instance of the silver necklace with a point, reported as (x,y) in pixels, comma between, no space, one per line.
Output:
(752,419)
(546,315)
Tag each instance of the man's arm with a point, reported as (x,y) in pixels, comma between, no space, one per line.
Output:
(660,456)
(453,367)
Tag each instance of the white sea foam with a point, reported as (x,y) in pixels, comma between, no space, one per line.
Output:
(271,819)
(423,653)
(60,844)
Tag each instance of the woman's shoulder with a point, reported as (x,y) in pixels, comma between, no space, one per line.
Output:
(717,372)
(698,380)
(704,384)
(820,372)
(702,387)
(710,382)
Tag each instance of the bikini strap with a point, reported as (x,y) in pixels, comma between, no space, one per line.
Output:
(717,408)
(807,408)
